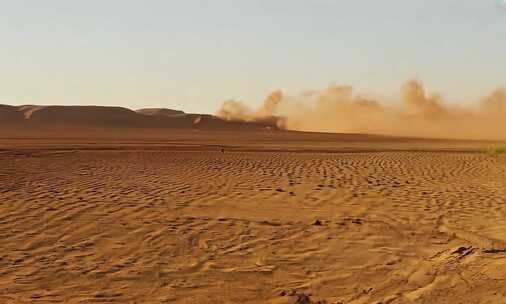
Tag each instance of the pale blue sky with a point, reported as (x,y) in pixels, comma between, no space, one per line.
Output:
(192,55)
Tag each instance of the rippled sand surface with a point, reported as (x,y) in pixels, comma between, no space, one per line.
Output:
(190,224)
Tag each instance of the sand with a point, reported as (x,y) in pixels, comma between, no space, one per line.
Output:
(35,118)
(280,217)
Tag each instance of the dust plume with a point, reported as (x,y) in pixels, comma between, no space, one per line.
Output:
(236,110)
(417,103)
(338,109)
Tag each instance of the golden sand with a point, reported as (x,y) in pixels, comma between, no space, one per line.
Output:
(276,218)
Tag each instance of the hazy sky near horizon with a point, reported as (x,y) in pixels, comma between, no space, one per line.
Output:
(192,55)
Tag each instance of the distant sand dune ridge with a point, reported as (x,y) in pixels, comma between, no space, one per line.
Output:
(118,117)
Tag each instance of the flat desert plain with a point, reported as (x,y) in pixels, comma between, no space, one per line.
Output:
(277,217)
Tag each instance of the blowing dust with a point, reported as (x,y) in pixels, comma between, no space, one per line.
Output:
(338,109)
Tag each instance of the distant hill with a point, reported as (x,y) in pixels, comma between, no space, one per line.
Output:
(117,117)
(10,115)
(159,112)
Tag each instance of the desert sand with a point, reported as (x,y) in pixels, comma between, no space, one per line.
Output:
(117,215)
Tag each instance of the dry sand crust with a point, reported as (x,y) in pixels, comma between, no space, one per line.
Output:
(361,220)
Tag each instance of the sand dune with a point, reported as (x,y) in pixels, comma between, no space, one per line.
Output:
(32,116)
(10,114)
(159,112)
(86,116)
(271,220)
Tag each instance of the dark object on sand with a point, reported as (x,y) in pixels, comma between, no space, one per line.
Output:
(303,299)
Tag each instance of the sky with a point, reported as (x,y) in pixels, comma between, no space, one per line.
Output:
(192,55)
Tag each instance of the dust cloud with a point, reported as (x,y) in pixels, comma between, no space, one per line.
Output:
(236,110)
(338,109)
